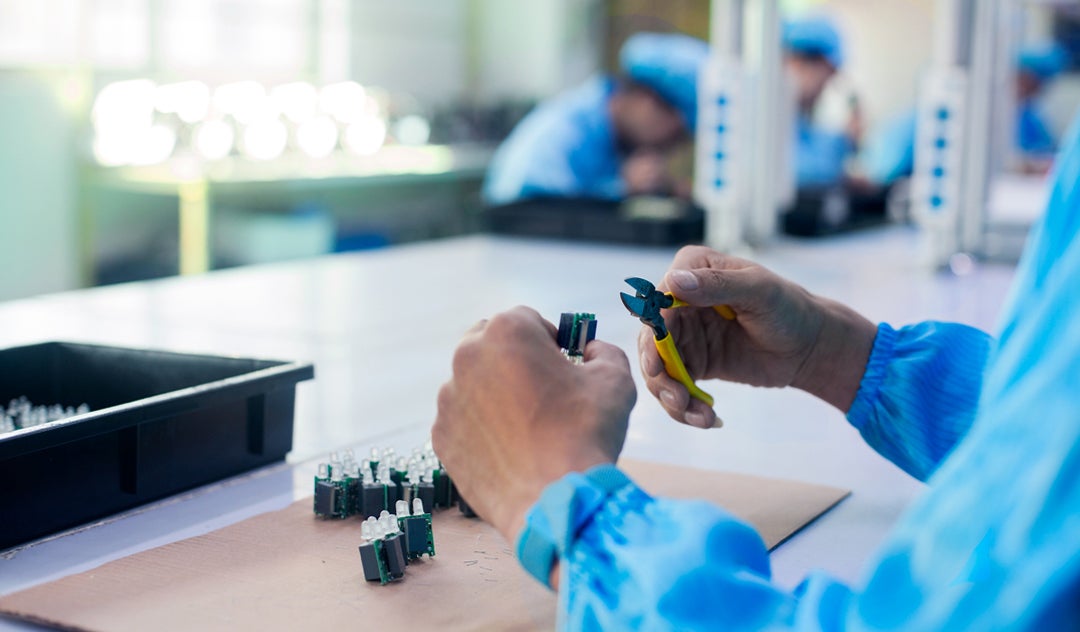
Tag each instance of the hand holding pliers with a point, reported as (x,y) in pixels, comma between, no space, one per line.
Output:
(646,305)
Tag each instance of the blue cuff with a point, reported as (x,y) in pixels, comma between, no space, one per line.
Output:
(565,506)
(870,386)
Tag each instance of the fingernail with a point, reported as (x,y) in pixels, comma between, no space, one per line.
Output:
(718,423)
(696,420)
(667,397)
(684,280)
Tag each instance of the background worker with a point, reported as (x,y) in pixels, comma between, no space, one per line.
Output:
(813,54)
(609,138)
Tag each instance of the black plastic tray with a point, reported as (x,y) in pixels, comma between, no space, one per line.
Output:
(639,221)
(160,423)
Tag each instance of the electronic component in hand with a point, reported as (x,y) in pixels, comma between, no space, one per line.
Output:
(575,331)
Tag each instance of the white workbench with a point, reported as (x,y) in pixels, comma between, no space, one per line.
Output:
(381,327)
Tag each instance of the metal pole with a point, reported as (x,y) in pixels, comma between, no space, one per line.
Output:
(771,125)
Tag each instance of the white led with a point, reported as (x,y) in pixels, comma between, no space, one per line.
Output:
(401,508)
(388,522)
(377,531)
(417,507)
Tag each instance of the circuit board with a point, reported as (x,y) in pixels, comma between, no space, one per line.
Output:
(575,331)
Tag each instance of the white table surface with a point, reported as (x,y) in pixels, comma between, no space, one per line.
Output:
(381,326)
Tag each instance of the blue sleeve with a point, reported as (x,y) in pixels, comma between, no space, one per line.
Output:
(920,392)
(630,561)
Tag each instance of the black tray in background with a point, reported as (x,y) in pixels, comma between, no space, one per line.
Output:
(160,423)
(645,221)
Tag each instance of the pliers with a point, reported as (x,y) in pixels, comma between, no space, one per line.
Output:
(646,305)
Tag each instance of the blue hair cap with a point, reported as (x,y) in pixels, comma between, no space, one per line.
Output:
(669,64)
(815,35)
(1045,61)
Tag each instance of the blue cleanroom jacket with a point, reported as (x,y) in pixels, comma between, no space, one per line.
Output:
(993,425)
(1033,135)
(819,154)
(564,148)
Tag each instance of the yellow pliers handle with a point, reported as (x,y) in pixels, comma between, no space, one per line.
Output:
(723,310)
(673,361)
(677,370)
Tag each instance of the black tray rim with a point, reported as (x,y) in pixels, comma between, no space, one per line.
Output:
(147,409)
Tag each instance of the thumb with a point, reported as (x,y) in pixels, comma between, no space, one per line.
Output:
(607,353)
(705,287)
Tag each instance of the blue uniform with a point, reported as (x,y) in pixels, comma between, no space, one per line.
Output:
(1042,61)
(819,154)
(994,543)
(564,148)
(1033,135)
(890,151)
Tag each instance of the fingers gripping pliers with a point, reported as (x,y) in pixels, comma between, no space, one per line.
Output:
(646,305)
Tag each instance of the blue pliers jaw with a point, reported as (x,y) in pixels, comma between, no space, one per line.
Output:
(646,305)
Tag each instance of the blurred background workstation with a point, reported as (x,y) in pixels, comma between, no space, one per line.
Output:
(352,183)
(179,137)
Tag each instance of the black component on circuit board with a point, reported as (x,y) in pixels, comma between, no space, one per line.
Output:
(325,498)
(372,499)
(394,550)
(370,552)
(425,491)
(575,331)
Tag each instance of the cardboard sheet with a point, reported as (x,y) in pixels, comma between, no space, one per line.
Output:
(287,570)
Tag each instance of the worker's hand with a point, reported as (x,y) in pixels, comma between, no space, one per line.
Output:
(517,415)
(646,173)
(782,335)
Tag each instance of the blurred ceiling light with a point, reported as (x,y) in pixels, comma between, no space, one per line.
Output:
(412,129)
(317,137)
(214,139)
(258,111)
(155,146)
(124,104)
(298,101)
(113,150)
(366,136)
(265,139)
(243,99)
(345,101)
(189,100)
